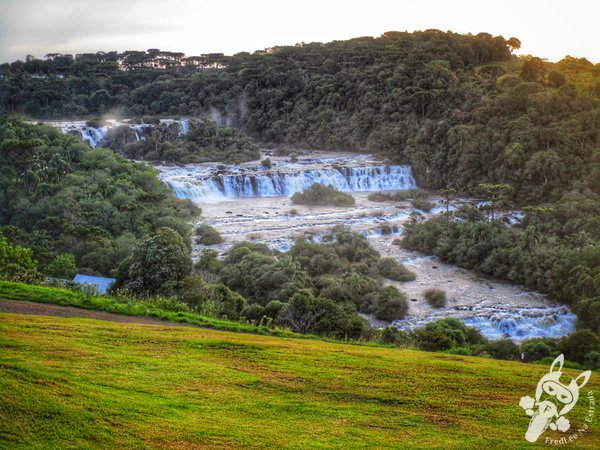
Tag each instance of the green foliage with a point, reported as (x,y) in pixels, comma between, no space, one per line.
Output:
(445,334)
(533,69)
(207,235)
(435,297)
(170,308)
(398,196)
(538,349)
(592,360)
(392,269)
(515,254)
(254,312)
(453,106)
(320,195)
(17,263)
(578,344)
(156,264)
(422,204)
(205,141)
(390,305)
(63,266)
(502,349)
(90,203)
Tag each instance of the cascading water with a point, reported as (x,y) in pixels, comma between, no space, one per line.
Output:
(197,184)
(94,135)
(527,323)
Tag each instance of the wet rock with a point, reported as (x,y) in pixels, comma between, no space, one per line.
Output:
(413,300)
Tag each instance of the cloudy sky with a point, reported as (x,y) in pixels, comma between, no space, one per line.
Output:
(547,28)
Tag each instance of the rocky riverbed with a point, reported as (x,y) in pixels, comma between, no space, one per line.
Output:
(261,214)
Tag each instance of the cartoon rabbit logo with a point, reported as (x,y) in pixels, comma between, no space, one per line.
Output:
(553,400)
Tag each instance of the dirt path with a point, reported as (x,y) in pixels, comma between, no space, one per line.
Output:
(44,309)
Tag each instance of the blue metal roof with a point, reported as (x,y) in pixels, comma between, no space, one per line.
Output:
(101,284)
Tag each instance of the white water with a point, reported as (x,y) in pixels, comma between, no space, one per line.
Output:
(94,135)
(196,184)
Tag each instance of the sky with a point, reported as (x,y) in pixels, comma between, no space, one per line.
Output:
(547,28)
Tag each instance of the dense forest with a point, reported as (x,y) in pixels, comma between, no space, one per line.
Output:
(469,116)
(460,108)
(60,197)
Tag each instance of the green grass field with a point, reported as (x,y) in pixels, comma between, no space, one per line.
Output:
(67,382)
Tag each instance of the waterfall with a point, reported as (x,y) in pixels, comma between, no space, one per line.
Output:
(505,321)
(198,185)
(94,135)
(528,323)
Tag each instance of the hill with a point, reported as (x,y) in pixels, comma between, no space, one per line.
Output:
(85,383)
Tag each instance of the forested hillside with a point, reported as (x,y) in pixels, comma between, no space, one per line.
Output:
(60,197)
(460,108)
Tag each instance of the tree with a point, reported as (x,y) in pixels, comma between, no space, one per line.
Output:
(301,313)
(156,263)
(578,344)
(449,194)
(63,266)
(513,43)
(17,263)
(391,305)
(534,69)
(496,194)
(556,79)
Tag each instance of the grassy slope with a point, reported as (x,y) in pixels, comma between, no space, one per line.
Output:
(85,383)
(66,297)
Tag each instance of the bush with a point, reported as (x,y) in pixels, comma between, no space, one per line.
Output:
(63,266)
(435,297)
(422,204)
(578,344)
(391,305)
(266,163)
(537,349)
(273,308)
(592,360)
(320,195)
(254,312)
(445,334)
(207,235)
(392,269)
(503,349)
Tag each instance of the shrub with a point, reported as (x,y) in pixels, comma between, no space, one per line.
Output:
(578,344)
(207,235)
(63,266)
(432,340)
(592,360)
(273,308)
(537,349)
(435,297)
(378,197)
(266,163)
(320,195)
(422,204)
(447,333)
(392,269)
(254,312)
(391,305)
(503,349)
